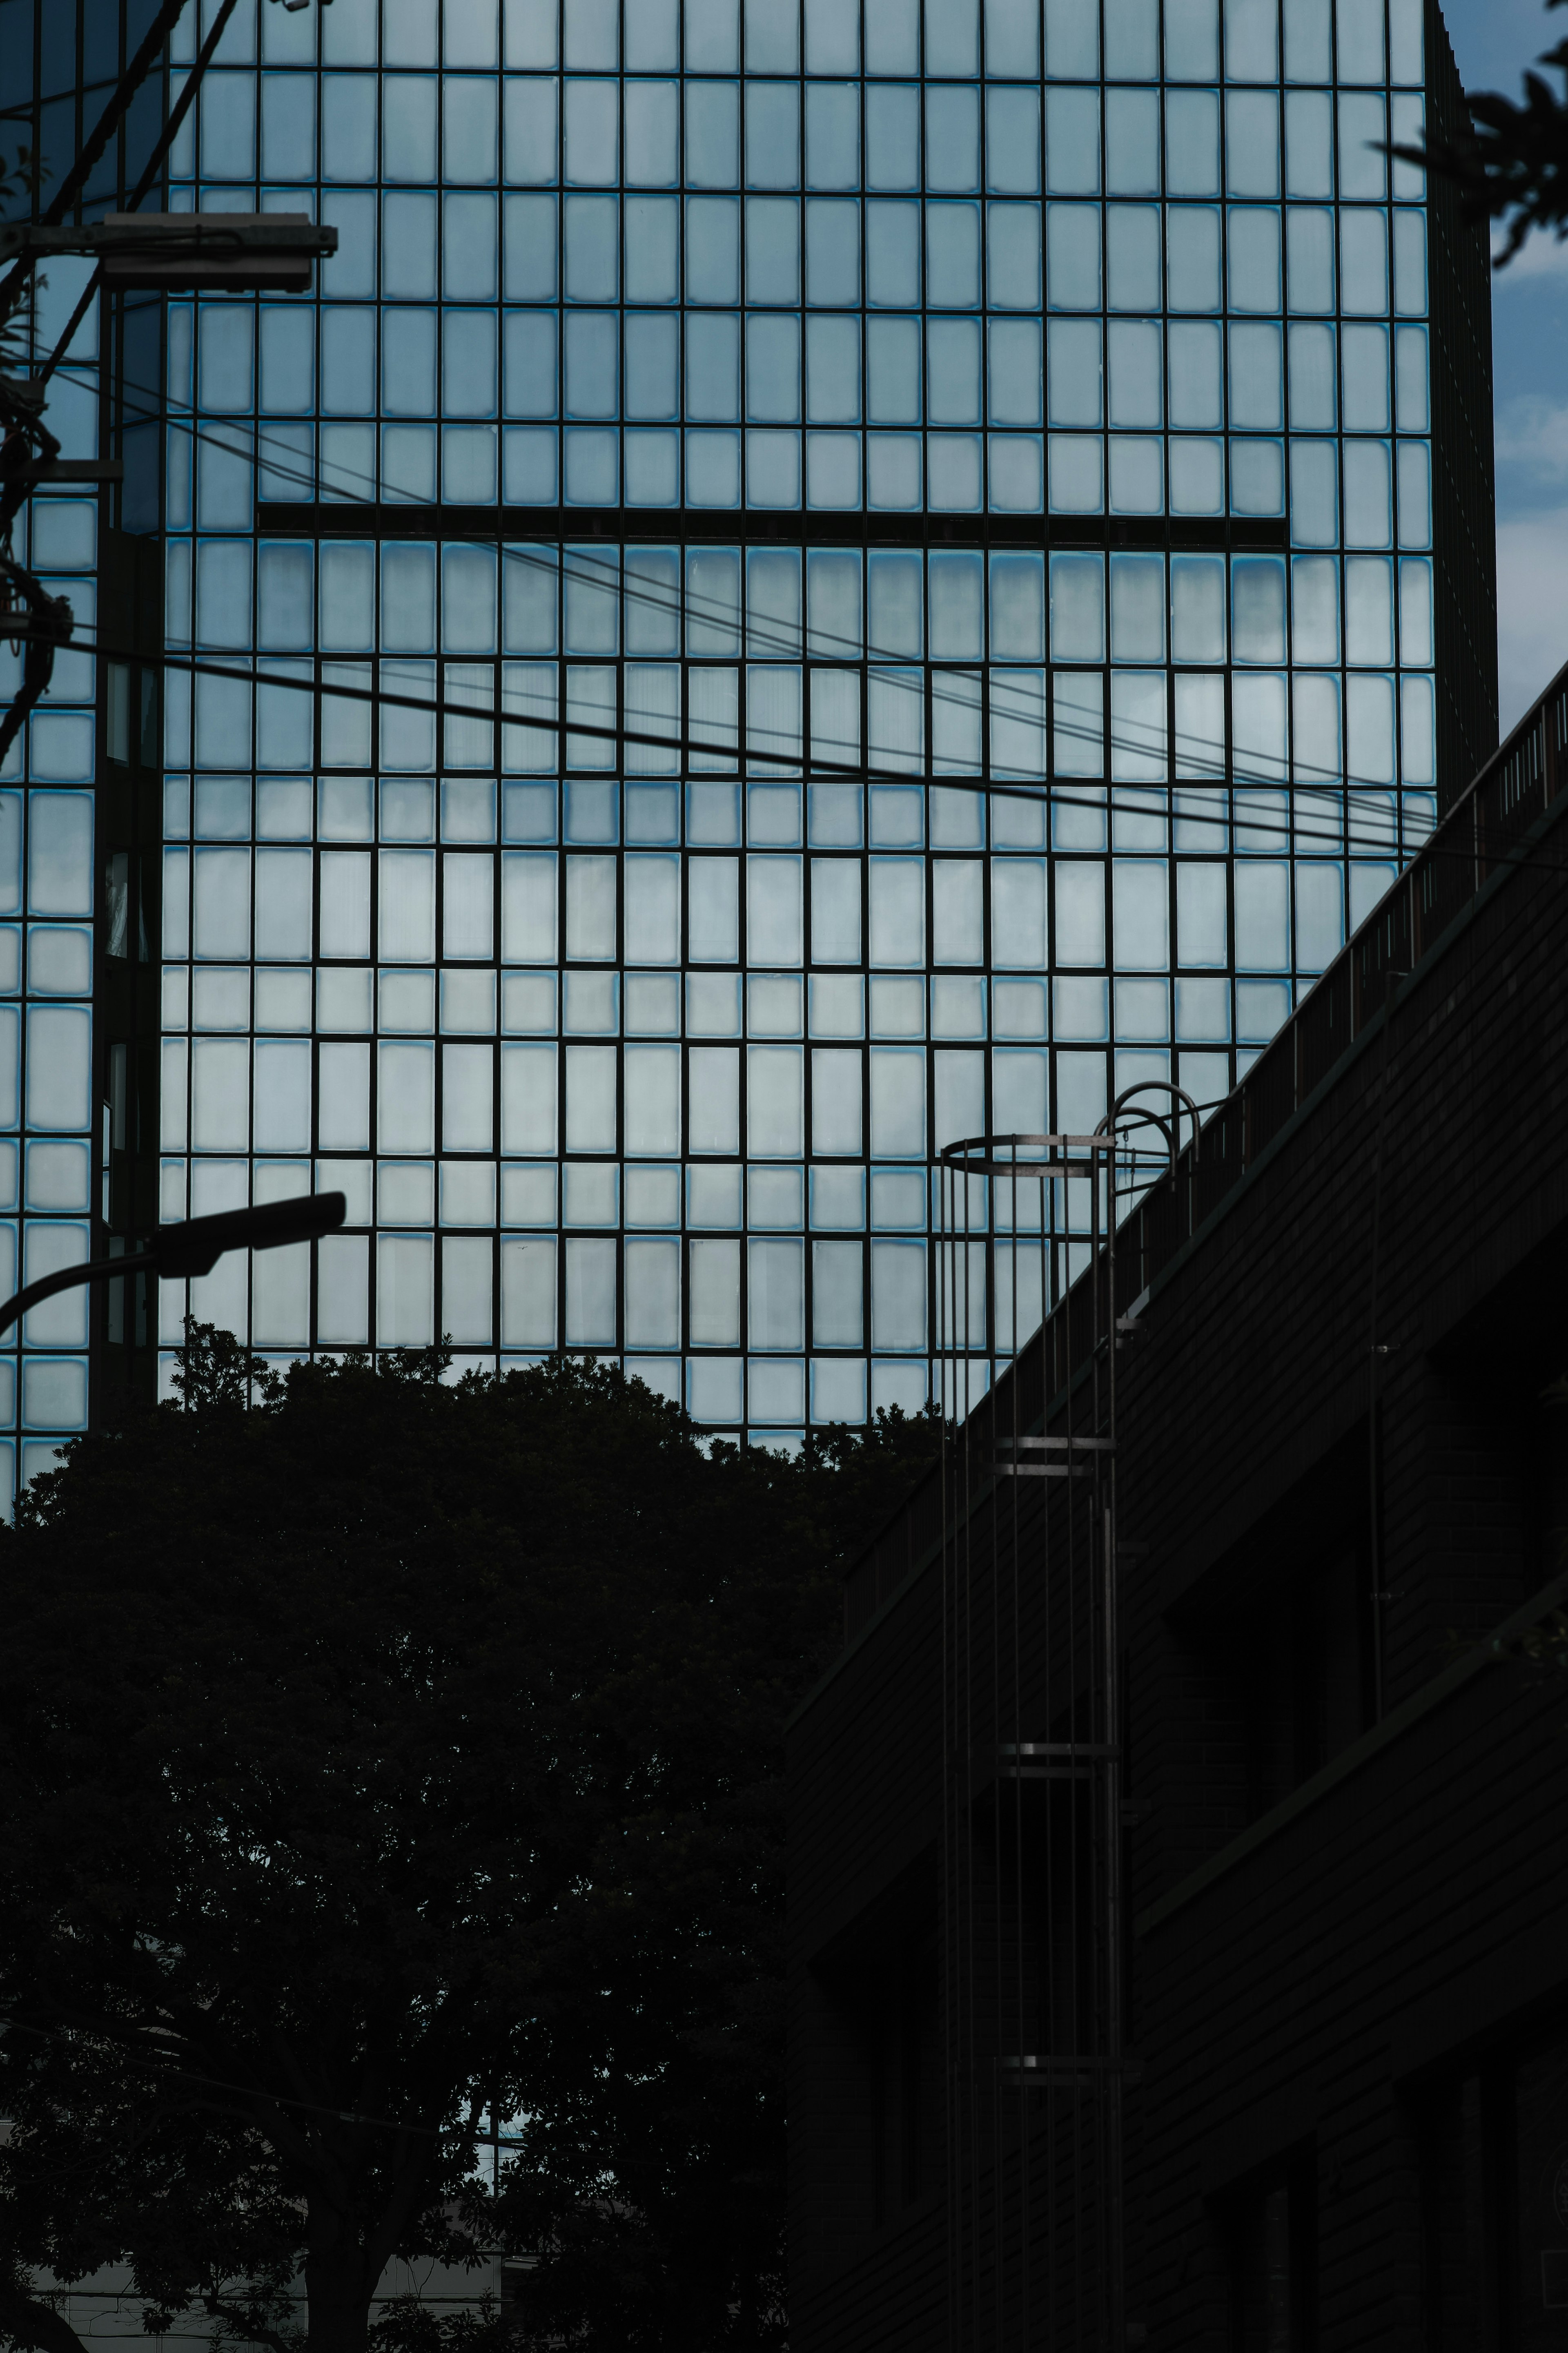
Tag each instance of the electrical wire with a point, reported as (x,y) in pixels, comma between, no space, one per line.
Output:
(893,667)
(1132,801)
(150,171)
(107,122)
(1080,792)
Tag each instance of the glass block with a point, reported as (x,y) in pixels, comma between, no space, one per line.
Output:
(953,472)
(404,1194)
(283,808)
(898,1199)
(652,469)
(1262,1006)
(714,1389)
(1017,473)
(407,1002)
(652,1004)
(54,1396)
(776,1391)
(591,1006)
(1137,474)
(712,469)
(773,1006)
(591,1191)
(59,1176)
(897,817)
(713,1195)
(1018,1009)
(1197,476)
(469,1004)
(833,470)
(59,961)
(220,997)
(712,1005)
(774,1199)
(1077,474)
(528,1196)
(713,815)
(957,1006)
(592,467)
(898,1007)
(1142,1009)
(772,469)
(529,465)
(1081,1008)
(652,1195)
(529,812)
(1256,478)
(838,1005)
(893,471)
(528,1004)
(897,1385)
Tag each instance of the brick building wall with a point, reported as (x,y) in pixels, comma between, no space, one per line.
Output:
(1350,2121)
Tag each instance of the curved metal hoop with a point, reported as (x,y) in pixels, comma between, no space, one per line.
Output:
(1170,1126)
(1092,1150)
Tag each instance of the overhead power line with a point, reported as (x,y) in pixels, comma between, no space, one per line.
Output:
(775,637)
(97,140)
(1078,791)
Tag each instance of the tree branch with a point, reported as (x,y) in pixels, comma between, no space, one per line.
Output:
(34,2325)
(244,2325)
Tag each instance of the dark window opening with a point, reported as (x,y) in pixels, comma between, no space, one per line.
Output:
(1271,2235)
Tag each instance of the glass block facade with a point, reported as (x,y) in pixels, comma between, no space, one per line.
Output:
(812,579)
(63,898)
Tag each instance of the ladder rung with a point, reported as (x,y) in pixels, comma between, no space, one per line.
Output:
(1072,1748)
(1060,1445)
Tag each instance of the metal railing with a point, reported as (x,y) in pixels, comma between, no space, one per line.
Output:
(1482,835)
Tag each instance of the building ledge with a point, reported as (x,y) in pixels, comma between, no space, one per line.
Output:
(1394,1726)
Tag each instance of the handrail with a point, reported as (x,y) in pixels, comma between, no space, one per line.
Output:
(1477,838)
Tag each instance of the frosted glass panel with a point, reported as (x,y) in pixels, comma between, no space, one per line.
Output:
(632,918)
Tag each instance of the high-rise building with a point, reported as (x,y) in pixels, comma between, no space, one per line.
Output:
(820,578)
(78,823)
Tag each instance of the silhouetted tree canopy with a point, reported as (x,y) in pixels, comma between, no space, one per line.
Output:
(385,1758)
(1512,165)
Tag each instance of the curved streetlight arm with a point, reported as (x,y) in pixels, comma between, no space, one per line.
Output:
(194,1247)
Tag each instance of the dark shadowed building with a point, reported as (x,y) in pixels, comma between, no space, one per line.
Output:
(1246,1853)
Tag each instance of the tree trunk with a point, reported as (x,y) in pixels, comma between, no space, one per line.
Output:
(337,2290)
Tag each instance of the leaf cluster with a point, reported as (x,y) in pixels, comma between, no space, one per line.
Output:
(385,1754)
(1512,163)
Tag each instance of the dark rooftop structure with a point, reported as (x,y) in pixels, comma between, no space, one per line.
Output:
(1178,1949)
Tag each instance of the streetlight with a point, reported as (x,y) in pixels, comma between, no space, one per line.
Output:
(183,252)
(194,1247)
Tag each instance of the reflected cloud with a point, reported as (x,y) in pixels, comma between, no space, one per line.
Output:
(1532,431)
(1532,608)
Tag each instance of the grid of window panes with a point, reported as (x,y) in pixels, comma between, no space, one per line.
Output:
(630,996)
(47,1176)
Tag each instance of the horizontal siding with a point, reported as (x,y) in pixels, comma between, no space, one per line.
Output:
(1272,2002)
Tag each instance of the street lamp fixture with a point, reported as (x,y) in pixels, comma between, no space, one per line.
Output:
(194,1247)
(269,253)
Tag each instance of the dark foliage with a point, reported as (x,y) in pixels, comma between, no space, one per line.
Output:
(382,1757)
(1512,165)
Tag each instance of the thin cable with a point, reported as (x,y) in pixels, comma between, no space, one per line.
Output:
(1131,800)
(166,139)
(77,178)
(791,642)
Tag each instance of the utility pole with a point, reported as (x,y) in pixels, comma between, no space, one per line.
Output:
(158,252)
